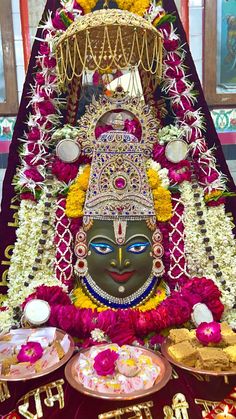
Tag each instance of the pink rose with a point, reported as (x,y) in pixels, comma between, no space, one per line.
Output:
(49,62)
(40,79)
(158,152)
(64,171)
(101,129)
(178,88)
(133,127)
(33,134)
(30,352)
(171,44)
(104,362)
(46,107)
(174,73)
(173,59)
(33,174)
(165,28)
(27,195)
(208,333)
(44,48)
(32,161)
(212,203)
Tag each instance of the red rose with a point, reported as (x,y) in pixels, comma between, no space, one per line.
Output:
(104,362)
(171,44)
(33,174)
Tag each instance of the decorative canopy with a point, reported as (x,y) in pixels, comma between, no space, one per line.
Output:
(108,39)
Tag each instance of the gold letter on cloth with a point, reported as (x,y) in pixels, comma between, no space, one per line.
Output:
(4,391)
(141,411)
(179,408)
(48,401)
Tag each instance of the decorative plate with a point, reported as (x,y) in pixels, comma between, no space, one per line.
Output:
(164,349)
(29,376)
(161,381)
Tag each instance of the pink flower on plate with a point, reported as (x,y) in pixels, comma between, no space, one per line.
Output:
(30,352)
(104,362)
(208,333)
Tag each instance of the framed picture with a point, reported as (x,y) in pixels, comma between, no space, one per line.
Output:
(8,84)
(220,52)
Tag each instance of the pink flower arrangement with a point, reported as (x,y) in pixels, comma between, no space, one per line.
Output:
(33,174)
(65,172)
(105,362)
(180,171)
(127,326)
(208,333)
(30,352)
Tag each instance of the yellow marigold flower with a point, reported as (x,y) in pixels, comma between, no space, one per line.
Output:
(213,194)
(76,195)
(162,204)
(81,300)
(87,5)
(153,178)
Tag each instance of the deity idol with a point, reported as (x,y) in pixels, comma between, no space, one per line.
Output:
(122,225)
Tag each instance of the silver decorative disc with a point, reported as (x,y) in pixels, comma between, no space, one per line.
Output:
(121,289)
(68,150)
(201,313)
(176,151)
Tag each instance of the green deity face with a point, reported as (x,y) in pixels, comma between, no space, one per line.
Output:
(120,270)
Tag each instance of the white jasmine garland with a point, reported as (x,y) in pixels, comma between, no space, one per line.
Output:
(31,215)
(219,232)
(170,132)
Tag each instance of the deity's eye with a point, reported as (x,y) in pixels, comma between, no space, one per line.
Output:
(102,248)
(138,247)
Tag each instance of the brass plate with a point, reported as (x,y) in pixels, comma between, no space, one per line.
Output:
(164,349)
(59,336)
(161,381)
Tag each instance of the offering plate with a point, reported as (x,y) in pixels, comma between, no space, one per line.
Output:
(164,349)
(161,381)
(24,377)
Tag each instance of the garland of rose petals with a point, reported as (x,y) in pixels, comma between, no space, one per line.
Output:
(183,98)
(130,325)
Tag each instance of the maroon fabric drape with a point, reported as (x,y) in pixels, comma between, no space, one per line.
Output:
(79,406)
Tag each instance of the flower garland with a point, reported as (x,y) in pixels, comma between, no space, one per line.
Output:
(182,97)
(161,196)
(26,251)
(130,325)
(138,7)
(63,239)
(81,300)
(76,195)
(218,240)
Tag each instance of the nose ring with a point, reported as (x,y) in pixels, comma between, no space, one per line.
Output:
(127,263)
(113,263)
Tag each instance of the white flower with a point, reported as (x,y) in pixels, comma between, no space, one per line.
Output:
(98,335)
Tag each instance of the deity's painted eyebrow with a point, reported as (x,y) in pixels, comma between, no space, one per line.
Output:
(101,238)
(140,237)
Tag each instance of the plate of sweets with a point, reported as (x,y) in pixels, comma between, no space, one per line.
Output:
(209,350)
(118,372)
(32,353)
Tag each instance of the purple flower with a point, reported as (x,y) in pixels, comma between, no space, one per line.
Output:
(104,362)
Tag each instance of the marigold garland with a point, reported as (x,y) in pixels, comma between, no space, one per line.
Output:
(81,300)
(87,5)
(161,196)
(138,7)
(76,195)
